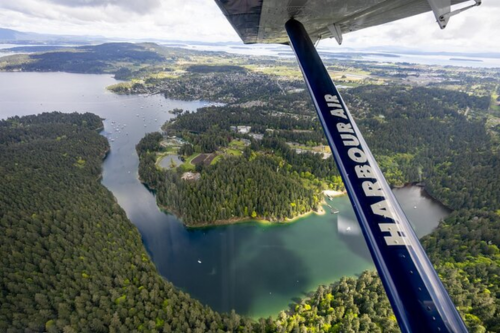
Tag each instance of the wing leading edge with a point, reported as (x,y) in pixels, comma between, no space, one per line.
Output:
(263,21)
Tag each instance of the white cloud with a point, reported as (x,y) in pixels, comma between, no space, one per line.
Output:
(171,19)
(143,6)
(476,29)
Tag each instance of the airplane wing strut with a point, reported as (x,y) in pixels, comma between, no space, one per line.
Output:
(418,298)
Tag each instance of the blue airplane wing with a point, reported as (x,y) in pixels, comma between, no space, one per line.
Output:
(263,21)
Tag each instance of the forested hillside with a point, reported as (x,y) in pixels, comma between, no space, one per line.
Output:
(417,135)
(425,134)
(421,134)
(71,261)
(268,177)
(434,136)
(89,59)
(235,188)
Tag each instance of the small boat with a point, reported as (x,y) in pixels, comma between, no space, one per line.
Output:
(199,261)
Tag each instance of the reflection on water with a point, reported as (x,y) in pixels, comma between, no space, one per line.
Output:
(254,268)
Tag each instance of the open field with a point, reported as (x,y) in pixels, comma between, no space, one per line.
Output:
(495,105)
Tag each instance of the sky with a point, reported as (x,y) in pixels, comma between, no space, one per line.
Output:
(201,20)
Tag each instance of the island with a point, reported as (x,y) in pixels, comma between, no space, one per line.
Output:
(466,59)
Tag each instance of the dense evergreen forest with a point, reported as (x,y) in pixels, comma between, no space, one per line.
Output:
(267,179)
(271,115)
(417,135)
(421,134)
(437,137)
(250,186)
(89,59)
(71,260)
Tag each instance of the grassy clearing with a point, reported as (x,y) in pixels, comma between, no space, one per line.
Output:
(234,152)
(166,75)
(286,71)
(188,166)
(237,144)
(190,159)
(493,104)
(216,159)
(348,84)
(170,150)
(122,86)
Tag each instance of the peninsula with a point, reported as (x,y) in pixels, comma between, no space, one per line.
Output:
(235,173)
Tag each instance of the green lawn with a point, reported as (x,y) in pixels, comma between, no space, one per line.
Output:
(493,103)
(188,166)
(170,150)
(237,144)
(192,157)
(234,152)
(216,159)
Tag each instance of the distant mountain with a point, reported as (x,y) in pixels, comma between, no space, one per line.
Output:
(9,36)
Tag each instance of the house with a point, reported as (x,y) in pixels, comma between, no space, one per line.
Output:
(191,176)
(241,129)
(256,136)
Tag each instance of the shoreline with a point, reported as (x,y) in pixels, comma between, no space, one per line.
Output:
(241,220)
(237,220)
(330,194)
(333,193)
(425,193)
